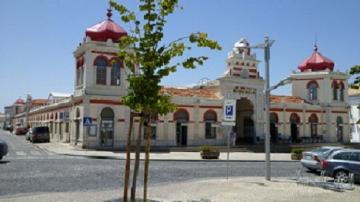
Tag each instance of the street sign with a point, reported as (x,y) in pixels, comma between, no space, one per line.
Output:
(229,110)
(87,121)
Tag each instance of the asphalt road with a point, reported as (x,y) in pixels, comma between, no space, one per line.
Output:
(29,170)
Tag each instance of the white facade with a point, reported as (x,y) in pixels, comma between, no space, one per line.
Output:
(354,101)
(94,116)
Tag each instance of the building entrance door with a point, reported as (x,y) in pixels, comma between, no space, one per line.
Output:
(244,128)
(181,134)
(107,127)
(107,133)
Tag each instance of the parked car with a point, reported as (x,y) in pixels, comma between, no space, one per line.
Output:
(343,162)
(3,149)
(312,159)
(39,134)
(21,131)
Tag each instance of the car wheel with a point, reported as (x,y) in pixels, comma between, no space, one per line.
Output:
(0,157)
(342,176)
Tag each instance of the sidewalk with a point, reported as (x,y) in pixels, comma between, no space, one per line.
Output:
(251,189)
(66,149)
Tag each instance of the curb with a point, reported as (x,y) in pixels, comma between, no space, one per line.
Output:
(175,160)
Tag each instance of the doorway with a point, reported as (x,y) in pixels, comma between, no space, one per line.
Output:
(294,122)
(245,127)
(273,128)
(181,117)
(107,127)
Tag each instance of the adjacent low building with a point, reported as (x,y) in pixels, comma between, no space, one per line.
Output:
(94,115)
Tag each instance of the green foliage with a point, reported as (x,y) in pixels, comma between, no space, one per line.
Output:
(207,149)
(297,151)
(149,58)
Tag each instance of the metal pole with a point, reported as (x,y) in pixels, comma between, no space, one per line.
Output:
(228,151)
(267,110)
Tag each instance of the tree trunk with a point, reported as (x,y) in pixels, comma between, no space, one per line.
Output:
(137,160)
(147,151)
(127,164)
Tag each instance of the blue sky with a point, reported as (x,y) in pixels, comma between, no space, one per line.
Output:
(38,37)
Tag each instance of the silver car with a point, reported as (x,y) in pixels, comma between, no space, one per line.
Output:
(312,159)
(343,162)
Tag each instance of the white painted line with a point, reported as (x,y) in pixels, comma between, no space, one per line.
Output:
(36,153)
(20,153)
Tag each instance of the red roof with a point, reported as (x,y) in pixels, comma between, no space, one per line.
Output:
(19,101)
(316,62)
(106,29)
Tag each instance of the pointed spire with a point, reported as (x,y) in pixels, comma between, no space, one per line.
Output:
(315,43)
(315,47)
(109,14)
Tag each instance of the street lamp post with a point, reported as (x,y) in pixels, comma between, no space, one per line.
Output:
(266,46)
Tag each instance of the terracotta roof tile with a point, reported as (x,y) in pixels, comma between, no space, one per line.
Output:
(285,99)
(39,102)
(210,93)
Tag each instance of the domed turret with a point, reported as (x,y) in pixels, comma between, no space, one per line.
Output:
(19,102)
(242,47)
(316,62)
(105,30)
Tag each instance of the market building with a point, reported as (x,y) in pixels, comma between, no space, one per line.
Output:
(94,116)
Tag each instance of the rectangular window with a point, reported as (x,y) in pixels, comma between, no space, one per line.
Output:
(210,131)
(342,94)
(335,94)
(67,128)
(101,75)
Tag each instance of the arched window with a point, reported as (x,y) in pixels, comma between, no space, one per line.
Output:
(181,115)
(210,118)
(339,128)
(342,88)
(115,73)
(335,88)
(312,90)
(100,63)
(313,120)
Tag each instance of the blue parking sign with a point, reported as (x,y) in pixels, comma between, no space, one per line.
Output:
(229,110)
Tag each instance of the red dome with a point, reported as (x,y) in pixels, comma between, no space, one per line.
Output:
(106,29)
(19,101)
(316,62)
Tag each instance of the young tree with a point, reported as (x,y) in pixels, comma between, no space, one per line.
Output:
(150,59)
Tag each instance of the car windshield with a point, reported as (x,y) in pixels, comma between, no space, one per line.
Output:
(321,150)
(42,130)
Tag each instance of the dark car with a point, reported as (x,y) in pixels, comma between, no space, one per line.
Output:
(39,134)
(343,162)
(21,131)
(3,149)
